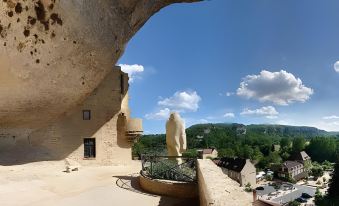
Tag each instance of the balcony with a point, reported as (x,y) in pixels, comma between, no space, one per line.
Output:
(134,129)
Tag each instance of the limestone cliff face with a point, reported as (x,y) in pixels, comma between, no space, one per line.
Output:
(53,53)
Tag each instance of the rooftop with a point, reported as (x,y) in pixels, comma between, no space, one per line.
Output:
(208,151)
(290,164)
(302,156)
(235,164)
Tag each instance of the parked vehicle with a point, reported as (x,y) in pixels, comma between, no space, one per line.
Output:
(259,188)
(301,200)
(306,195)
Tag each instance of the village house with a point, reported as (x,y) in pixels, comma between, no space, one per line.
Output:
(292,169)
(296,167)
(238,169)
(208,153)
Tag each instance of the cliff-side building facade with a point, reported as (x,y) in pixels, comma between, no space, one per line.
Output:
(98,131)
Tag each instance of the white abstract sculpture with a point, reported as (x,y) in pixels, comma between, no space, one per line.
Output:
(175,136)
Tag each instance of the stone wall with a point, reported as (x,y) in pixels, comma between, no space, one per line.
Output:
(168,187)
(64,138)
(217,189)
(248,174)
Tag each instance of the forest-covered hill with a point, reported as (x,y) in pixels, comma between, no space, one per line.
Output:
(255,142)
(265,129)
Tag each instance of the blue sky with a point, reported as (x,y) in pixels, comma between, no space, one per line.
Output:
(245,61)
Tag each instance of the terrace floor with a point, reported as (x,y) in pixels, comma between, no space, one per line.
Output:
(45,183)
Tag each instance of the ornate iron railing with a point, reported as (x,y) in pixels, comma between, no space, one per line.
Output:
(173,168)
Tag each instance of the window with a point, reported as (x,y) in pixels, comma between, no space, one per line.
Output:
(86,114)
(89,147)
(122,84)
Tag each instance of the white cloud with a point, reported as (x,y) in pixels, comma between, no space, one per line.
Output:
(182,101)
(229,115)
(210,117)
(271,117)
(336,66)
(160,115)
(334,124)
(192,121)
(268,112)
(327,125)
(133,71)
(283,122)
(186,101)
(227,94)
(203,121)
(331,117)
(281,88)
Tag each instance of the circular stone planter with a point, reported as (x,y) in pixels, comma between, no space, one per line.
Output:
(168,187)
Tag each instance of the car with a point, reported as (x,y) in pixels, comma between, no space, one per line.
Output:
(306,195)
(301,200)
(259,188)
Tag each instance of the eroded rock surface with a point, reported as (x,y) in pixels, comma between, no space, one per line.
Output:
(53,53)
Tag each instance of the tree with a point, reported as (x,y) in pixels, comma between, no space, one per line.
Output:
(322,148)
(257,155)
(247,151)
(265,149)
(318,198)
(298,144)
(138,149)
(333,190)
(285,155)
(285,143)
(327,165)
(227,152)
(317,171)
(272,158)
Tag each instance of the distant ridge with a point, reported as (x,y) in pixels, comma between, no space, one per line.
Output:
(267,129)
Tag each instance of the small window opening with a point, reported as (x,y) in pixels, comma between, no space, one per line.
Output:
(86,114)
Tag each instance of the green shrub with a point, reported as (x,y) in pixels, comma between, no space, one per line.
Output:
(168,169)
(317,171)
(192,153)
(269,177)
(248,187)
(294,203)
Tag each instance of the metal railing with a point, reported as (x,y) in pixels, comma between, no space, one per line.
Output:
(175,168)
